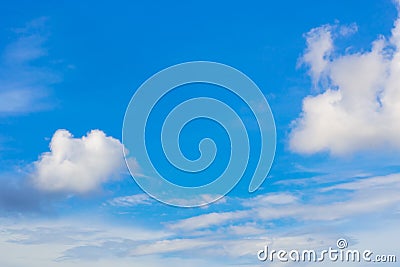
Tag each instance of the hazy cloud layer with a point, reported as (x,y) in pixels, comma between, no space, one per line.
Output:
(233,233)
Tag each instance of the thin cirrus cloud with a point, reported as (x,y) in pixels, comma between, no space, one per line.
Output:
(358,106)
(360,197)
(78,165)
(130,201)
(234,236)
(25,85)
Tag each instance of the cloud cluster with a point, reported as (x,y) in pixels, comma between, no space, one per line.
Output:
(358,105)
(78,165)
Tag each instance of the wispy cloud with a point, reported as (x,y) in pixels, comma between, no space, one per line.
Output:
(328,203)
(231,234)
(130,201)
(208,220)
(25,83)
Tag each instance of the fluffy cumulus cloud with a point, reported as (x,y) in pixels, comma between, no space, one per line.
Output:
(78,165)
(358,103)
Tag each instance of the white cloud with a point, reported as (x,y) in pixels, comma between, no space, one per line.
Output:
(359,105)
(25,84)
(345,200)
(208,220)
(379,182)
(368,197)
(319,48)
(130,201)
(203,198)
(67,242)
(168,246)
(271,199)
(230,237)
(78,165)
(247,229)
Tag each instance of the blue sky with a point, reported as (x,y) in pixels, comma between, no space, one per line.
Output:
(329,70)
